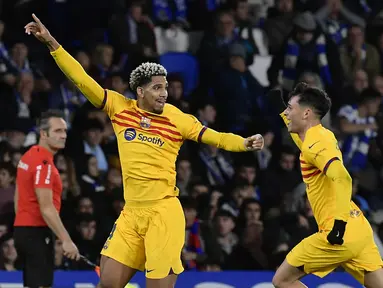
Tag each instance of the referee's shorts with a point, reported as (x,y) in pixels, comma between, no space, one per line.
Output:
(35,248)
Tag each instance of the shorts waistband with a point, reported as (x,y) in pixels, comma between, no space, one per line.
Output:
(146,203)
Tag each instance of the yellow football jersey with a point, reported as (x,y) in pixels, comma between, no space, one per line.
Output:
(148,143)
(318,150)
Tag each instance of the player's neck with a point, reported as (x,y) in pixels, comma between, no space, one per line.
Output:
(309,125)
(143,107)
(46,146)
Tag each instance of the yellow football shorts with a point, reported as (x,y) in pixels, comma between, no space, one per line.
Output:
(357,255)
(149,236)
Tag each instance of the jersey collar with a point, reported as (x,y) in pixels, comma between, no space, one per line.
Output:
(44,152)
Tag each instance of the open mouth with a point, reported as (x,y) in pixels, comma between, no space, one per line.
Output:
(161,102)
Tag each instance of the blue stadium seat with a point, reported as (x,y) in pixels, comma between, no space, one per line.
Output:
(186,65)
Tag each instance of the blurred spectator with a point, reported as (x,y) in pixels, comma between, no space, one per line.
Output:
(249,255)
(238,92)
(8,253)
(279,24)
(335,19)
(102,61)
(216,167)
(377,84)
(351,92)
(246,26)
(90,144)
(91,182)
(7,188)
(227,239)
(207,114)
(184,173)
(286,171)
(176,92)
(356,54)
(357,123)
(119,82)
(241,191)
(3,226)
(86,241)
(199,241)
(140,45)
(214,50)
(307,49)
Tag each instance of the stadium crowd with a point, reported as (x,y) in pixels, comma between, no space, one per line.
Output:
(243,211)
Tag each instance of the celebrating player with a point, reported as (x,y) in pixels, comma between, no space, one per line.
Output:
(150,232)
(345,237)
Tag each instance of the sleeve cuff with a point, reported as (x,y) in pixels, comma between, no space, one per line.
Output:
(201,134)
(104,101)
(57,51)
(328,164)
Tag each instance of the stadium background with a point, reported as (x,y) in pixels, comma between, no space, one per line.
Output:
(244,211)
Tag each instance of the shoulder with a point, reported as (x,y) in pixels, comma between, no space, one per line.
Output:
(319,140)
(172,112)
(117,96)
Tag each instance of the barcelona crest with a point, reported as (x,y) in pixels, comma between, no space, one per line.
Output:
(145,122)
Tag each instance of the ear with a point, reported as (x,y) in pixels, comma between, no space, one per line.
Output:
(140,92)
(306,113)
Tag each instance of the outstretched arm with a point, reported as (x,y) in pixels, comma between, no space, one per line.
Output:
(192,129)
(68,65)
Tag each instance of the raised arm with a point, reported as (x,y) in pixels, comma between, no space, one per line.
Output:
(68,65)
(295,136)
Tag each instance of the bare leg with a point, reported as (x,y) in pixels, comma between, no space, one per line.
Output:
(288,276)
(114,274)
(374,279)
(167,282)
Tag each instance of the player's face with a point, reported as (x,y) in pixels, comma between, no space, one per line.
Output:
(155,94)
(56,135)
(295,114)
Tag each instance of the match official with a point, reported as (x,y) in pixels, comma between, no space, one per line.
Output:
(37,205)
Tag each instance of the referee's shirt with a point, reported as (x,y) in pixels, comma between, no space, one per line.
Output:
(36,169)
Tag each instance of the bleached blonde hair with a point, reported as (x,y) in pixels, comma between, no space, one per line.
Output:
(143,74)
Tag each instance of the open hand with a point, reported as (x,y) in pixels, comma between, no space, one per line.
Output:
(254,143)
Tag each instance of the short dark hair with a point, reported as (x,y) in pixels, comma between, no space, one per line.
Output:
(313,97)
(43,123)
(368,95)
(8,166)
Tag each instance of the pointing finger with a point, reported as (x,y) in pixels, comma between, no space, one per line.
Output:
(36,19)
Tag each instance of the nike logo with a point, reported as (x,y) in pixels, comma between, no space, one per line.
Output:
(148,271)
(313,144)
(337,235)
